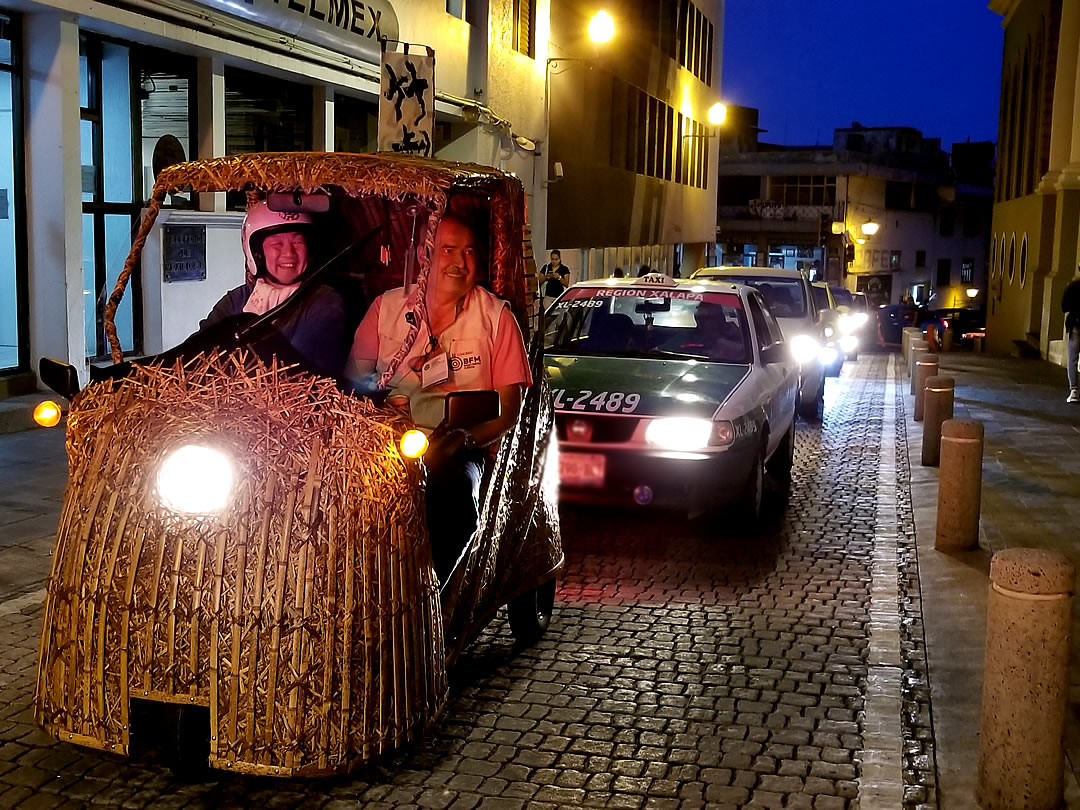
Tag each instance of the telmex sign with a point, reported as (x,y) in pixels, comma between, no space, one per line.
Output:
(350,27)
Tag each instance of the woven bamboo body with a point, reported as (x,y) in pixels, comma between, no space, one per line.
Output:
(306,616)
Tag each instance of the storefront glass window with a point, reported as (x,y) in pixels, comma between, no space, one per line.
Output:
(116,123)
(165,90)
(12,295)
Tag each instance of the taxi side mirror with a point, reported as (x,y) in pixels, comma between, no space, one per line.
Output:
(775,353)
(466,409)
(60,377)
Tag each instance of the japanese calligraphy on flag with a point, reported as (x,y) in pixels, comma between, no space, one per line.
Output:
(407,100)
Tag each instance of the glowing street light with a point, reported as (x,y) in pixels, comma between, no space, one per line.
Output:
(717,113)
(601,27)
(972,292)
(870,227)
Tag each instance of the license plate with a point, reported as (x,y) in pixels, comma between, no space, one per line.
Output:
(582,469)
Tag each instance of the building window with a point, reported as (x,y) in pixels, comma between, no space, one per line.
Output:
(695,37)
(802,190)
(109,192)
(894,260)
(967,270)
(13,303)
(1001,257)
(1012,258)
(166,94)
(524,17)
(944,272)
(455,8)
(1023,262)
(993,255)
(947,221)
(920,258)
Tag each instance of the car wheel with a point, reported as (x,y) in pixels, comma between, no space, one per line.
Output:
(811,410)
(754,492)
(530,613)
(187,743)
(779,466)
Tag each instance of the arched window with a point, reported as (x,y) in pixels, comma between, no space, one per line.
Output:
(1023,262)
(1001,257)
(1012,258)
(993,254)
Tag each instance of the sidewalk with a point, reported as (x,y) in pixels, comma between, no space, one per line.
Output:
(1031,497)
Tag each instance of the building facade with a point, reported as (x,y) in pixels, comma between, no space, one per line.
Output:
(881,210)
(631,163)
(1036,221)
(97,97)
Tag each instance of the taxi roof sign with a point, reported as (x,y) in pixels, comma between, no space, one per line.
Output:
(656,280)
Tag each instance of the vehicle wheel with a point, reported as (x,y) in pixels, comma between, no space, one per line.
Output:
(753,493)
(779,466)
(530,613)
(811,411)
(187,742)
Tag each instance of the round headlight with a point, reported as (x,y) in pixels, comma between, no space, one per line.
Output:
(679,433)
(804,348)
(195,480)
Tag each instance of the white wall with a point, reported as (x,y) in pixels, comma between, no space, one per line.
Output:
(172,311)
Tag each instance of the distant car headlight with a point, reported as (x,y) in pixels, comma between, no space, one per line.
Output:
(828,331)
(195,480)
(804,349)
(682,433)
(851,321)
(849,343)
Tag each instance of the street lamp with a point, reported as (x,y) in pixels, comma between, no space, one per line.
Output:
(870,227)
(971,292)
(716,115)
(601,27)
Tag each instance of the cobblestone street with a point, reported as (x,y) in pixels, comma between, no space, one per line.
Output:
(685,666)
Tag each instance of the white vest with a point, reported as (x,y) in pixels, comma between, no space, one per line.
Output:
(469,343)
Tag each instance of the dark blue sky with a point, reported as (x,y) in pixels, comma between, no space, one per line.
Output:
(811,66)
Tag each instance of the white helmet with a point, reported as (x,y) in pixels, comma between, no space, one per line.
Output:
(260,223)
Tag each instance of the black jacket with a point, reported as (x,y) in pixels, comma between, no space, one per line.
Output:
(1070,304)
(316,328)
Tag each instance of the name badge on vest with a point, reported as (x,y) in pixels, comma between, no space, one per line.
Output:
(435,371)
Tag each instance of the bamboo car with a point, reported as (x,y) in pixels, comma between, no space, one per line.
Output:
(305,616)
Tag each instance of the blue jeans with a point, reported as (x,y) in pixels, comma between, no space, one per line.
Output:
(1074,354)
(453,503)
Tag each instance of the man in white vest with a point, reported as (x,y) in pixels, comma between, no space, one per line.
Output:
(467,340)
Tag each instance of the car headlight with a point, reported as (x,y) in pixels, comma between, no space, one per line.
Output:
(829,355)
(849,343)
(195,480)
(804,349)
(682,433)
(828,331)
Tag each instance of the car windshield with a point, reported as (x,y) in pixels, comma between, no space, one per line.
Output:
(859,302)
(784,296)
(821,297)
(634,322)
(842,297)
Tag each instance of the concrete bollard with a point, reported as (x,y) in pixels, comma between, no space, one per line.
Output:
(926,366)
(959,485)
(977,344)
(906,336)
(915,349)
(937,407)
(947,339)
(1025,680)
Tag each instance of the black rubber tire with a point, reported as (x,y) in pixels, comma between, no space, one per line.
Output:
(779,466)
(530,613)
(754,492)
(811,411)
(187,743)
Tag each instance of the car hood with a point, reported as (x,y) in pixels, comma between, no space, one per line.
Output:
(790,327)
(666,387)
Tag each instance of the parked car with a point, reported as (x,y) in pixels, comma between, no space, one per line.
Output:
(967,324)
(673,393)
(788,295)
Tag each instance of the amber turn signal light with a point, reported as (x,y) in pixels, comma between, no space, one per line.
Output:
(413,443)
(47,414)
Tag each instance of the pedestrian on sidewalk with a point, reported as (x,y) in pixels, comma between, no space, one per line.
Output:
(1070,305)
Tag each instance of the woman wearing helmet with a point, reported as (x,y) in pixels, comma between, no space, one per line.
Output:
(276,246)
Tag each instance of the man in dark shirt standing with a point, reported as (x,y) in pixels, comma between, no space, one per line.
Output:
(554,278)
(1070,305)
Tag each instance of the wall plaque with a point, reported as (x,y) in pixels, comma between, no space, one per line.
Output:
(183,252)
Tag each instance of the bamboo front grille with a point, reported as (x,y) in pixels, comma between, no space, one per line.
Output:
(306,615)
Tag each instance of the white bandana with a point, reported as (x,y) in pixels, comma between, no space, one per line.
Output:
(266,296)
